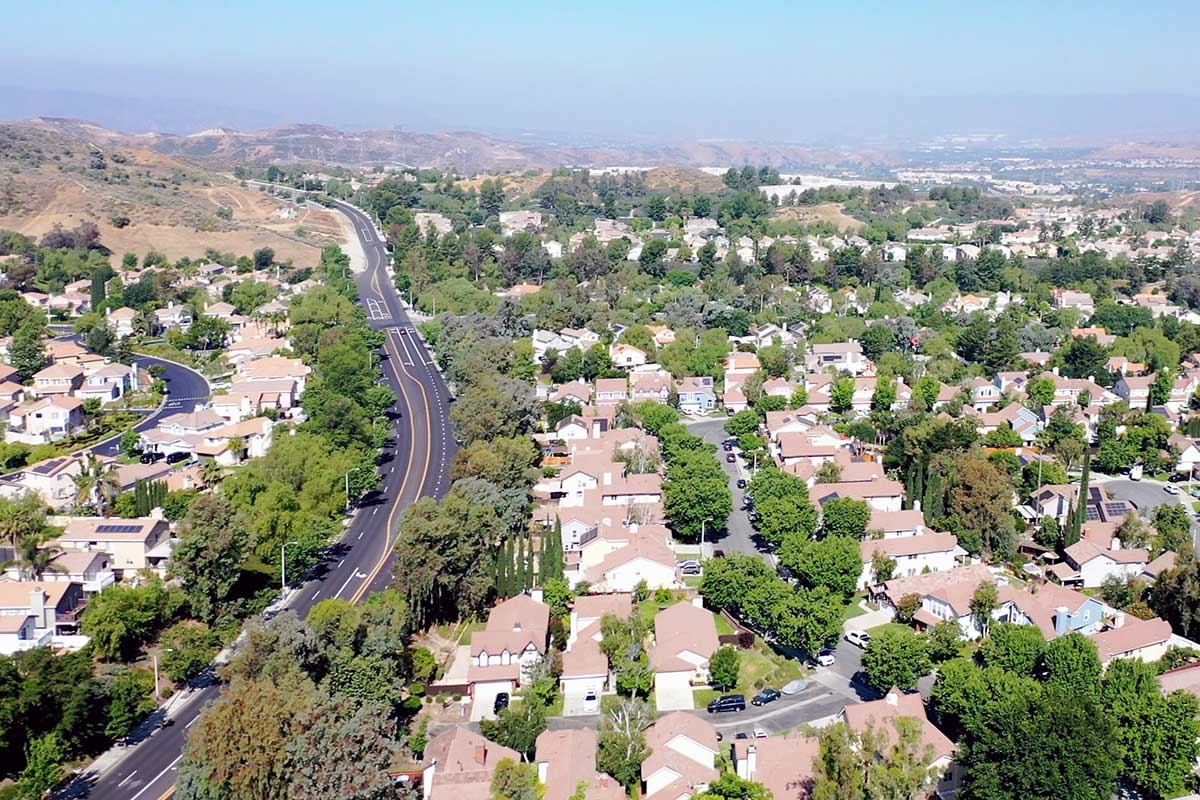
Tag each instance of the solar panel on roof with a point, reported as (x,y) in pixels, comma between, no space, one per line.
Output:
(1094,493)
(118,528)
(1115,509)
(1092,513)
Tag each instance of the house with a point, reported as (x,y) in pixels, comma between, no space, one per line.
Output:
(839,356)
(36,613)
(566,763)
(92,570)
(120,320)
(585,668)
(1058,499)
(1129,637)
(578,391)
(733,398)
(252,348)
(1068,298)
(685,638)
(572,427)
(783,764)
(683,757)
(626,356)
(696,395)
(132,544)
(650,386)
(459,765)
(52,480)
(270,368)
(737,363)
(913,555)
(1091,565)
(891,524)
(663,335)
(108,384)
(611,391)
(1189,454)
(881,715)
(251,398)
(1134,389)
(513,221)
(644,557)
(46,420)
(173,317)
(882,495)
(515,637)
(929,235)
(57,379)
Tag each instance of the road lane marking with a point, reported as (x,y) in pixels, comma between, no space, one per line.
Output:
(343,561)
(193,722)
(316,594)
(127,779)
(348,579)
(166,769)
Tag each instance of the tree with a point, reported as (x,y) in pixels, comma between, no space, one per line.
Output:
(896,657)
(516,781)
(697,494)
(883,567)
(121,618)
(845,516)
(187,649)
(841,397)
(1012,647)
(27,352)
(517,726)
(1041,391)
(344,748)
(208,557)
(873,763)
(1072,663)
(730,787)
(622,741)
(729,579)
(131,442)
(945,639)
(742,423)
(1173,527)
(828,472)
(907,607)
(1084,358)
(96,486)
(446,556)
(984,602)
(834,562)
(980,503)
(43,766)
(724,667)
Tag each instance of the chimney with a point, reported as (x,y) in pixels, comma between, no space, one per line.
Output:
(608,479)
(517,626)
(481,755)
(536,594)
(893,697)
(1118,620)
(1060,621)
(1115,544)
(37,606)
(1055,371)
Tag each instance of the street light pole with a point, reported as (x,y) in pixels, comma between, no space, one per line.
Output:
(283,565)
(703,523)
(154,658)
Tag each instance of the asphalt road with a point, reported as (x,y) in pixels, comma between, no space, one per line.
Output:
(1148,494)
(739,535)
(415,463)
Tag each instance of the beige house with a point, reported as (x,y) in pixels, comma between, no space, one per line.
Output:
(685,638)
(133,544)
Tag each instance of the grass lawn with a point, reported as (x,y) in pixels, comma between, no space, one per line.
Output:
(854,609)
(761,667)
(888,626)
(723,626)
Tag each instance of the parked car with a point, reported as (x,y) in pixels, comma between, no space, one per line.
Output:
(741,483)
(794,687)
(150,457)
(731,458)
(760,733)
(728,447)
(591,702)
(824,658)
(501,702)
(1171,488)
(765,696)
(729,702)
(741,735)
(690,569)
(175,458)
(858,638)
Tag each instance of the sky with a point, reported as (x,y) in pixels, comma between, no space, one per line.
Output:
(623,70)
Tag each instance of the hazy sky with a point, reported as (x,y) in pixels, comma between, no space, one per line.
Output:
(665,68)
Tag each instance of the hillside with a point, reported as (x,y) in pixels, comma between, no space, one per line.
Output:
(684,178)
(464,151)
(823,212)
(69,174)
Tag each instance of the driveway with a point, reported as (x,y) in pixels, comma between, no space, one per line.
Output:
(739,535)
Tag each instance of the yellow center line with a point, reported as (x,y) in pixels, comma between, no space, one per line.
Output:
(390,347)
(167,793)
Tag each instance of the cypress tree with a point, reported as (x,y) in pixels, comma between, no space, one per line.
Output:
(98,293)
(530,579)
(521,581)
(910,487)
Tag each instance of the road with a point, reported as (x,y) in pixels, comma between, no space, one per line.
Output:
(415,463)
(739,535)
(1148,494)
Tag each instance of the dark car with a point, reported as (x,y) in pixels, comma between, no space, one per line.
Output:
(151,457)
(741,735)
(731,458)
(175,458)
(765,696)
(501,703)
(741,483)
(728,447)
(729,702)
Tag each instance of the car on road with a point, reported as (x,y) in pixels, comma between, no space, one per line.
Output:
(731,458)
(760,733)
(741,735)
(858,638)
(1135,472)
(728,447)
(741,483)
(591,702)
(729,702)
(765,696)
(794,687)
(1171,488)
(824,658)
(501,702)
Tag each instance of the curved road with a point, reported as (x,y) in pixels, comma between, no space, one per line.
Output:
(415,463)
(186,389)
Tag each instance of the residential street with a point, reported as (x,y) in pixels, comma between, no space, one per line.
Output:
(740,536)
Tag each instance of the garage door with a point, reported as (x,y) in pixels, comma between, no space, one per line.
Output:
(484,698)
(574,692)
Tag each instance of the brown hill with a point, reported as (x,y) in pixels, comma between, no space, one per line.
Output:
(69,173)
(683,178)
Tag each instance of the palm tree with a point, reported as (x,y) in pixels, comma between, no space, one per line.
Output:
(20,518)
(35,560)
(211,472)
(238,445)
(96,486)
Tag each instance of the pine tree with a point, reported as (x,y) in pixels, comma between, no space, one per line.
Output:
(530,579)
(935,497)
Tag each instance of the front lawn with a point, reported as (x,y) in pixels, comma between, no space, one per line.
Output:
(761,667)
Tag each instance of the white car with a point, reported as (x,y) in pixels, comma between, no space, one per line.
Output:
(1171,488)
(825,658)
(858,638)
(760,733)
(591,702)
